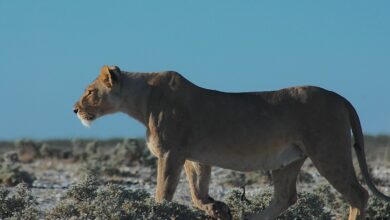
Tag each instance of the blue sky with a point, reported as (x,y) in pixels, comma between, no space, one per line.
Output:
(51,50)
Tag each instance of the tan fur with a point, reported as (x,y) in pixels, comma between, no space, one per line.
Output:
(198,128)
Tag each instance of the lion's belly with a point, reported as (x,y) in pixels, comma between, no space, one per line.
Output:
(258,158)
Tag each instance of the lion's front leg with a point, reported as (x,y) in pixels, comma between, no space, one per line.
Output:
(198,176)
(168,174)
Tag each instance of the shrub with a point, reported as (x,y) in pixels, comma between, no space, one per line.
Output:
(91,148)
(378,209)
(88,201)
(308,206)
(99,161)
(10,157)
(63,210)
(148,209)
(149,159)
(109,161)
(128,151)
(305,177)
(132,151)
(333,201)
(27,150)
(21,205)
(101,164)
(11,175)
(78,151)
(255,204)
(85,189)
(376,180)
(49,151)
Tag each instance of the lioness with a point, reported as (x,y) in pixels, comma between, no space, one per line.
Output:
(199,128)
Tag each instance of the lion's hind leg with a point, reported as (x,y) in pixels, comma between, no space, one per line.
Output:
(285,192)
(335,164)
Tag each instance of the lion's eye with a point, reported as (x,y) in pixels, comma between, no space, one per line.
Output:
(90,92)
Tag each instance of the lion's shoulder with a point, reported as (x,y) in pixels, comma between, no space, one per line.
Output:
(170,80)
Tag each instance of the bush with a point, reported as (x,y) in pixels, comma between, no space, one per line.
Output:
(99,161)
(85,189)
(148,209)
(255,204)
(48,151)
(21,205)
(109,161)
(132,151)
(374,179)
(10,157)
(11,175)
(333,201)
(305,177)
(27,150)
(149,159)
(88,201)
(308,206)
(378,209)
(91,148)
(101,164)
(128,152)
(78,151)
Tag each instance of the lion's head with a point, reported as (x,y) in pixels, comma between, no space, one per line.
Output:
(101,97)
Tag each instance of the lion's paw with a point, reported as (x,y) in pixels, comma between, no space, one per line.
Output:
(219,211)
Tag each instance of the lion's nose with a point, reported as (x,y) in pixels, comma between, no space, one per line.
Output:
(75,110)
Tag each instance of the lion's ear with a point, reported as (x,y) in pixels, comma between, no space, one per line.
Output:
(107,77)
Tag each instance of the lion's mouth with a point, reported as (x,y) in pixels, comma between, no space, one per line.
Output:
(90,117)
(86,119)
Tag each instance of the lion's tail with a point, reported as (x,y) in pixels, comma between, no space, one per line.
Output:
(359,149)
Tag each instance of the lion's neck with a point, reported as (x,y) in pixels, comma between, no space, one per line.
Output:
(134,95)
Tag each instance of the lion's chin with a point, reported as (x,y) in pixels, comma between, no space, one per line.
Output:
(85,122)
